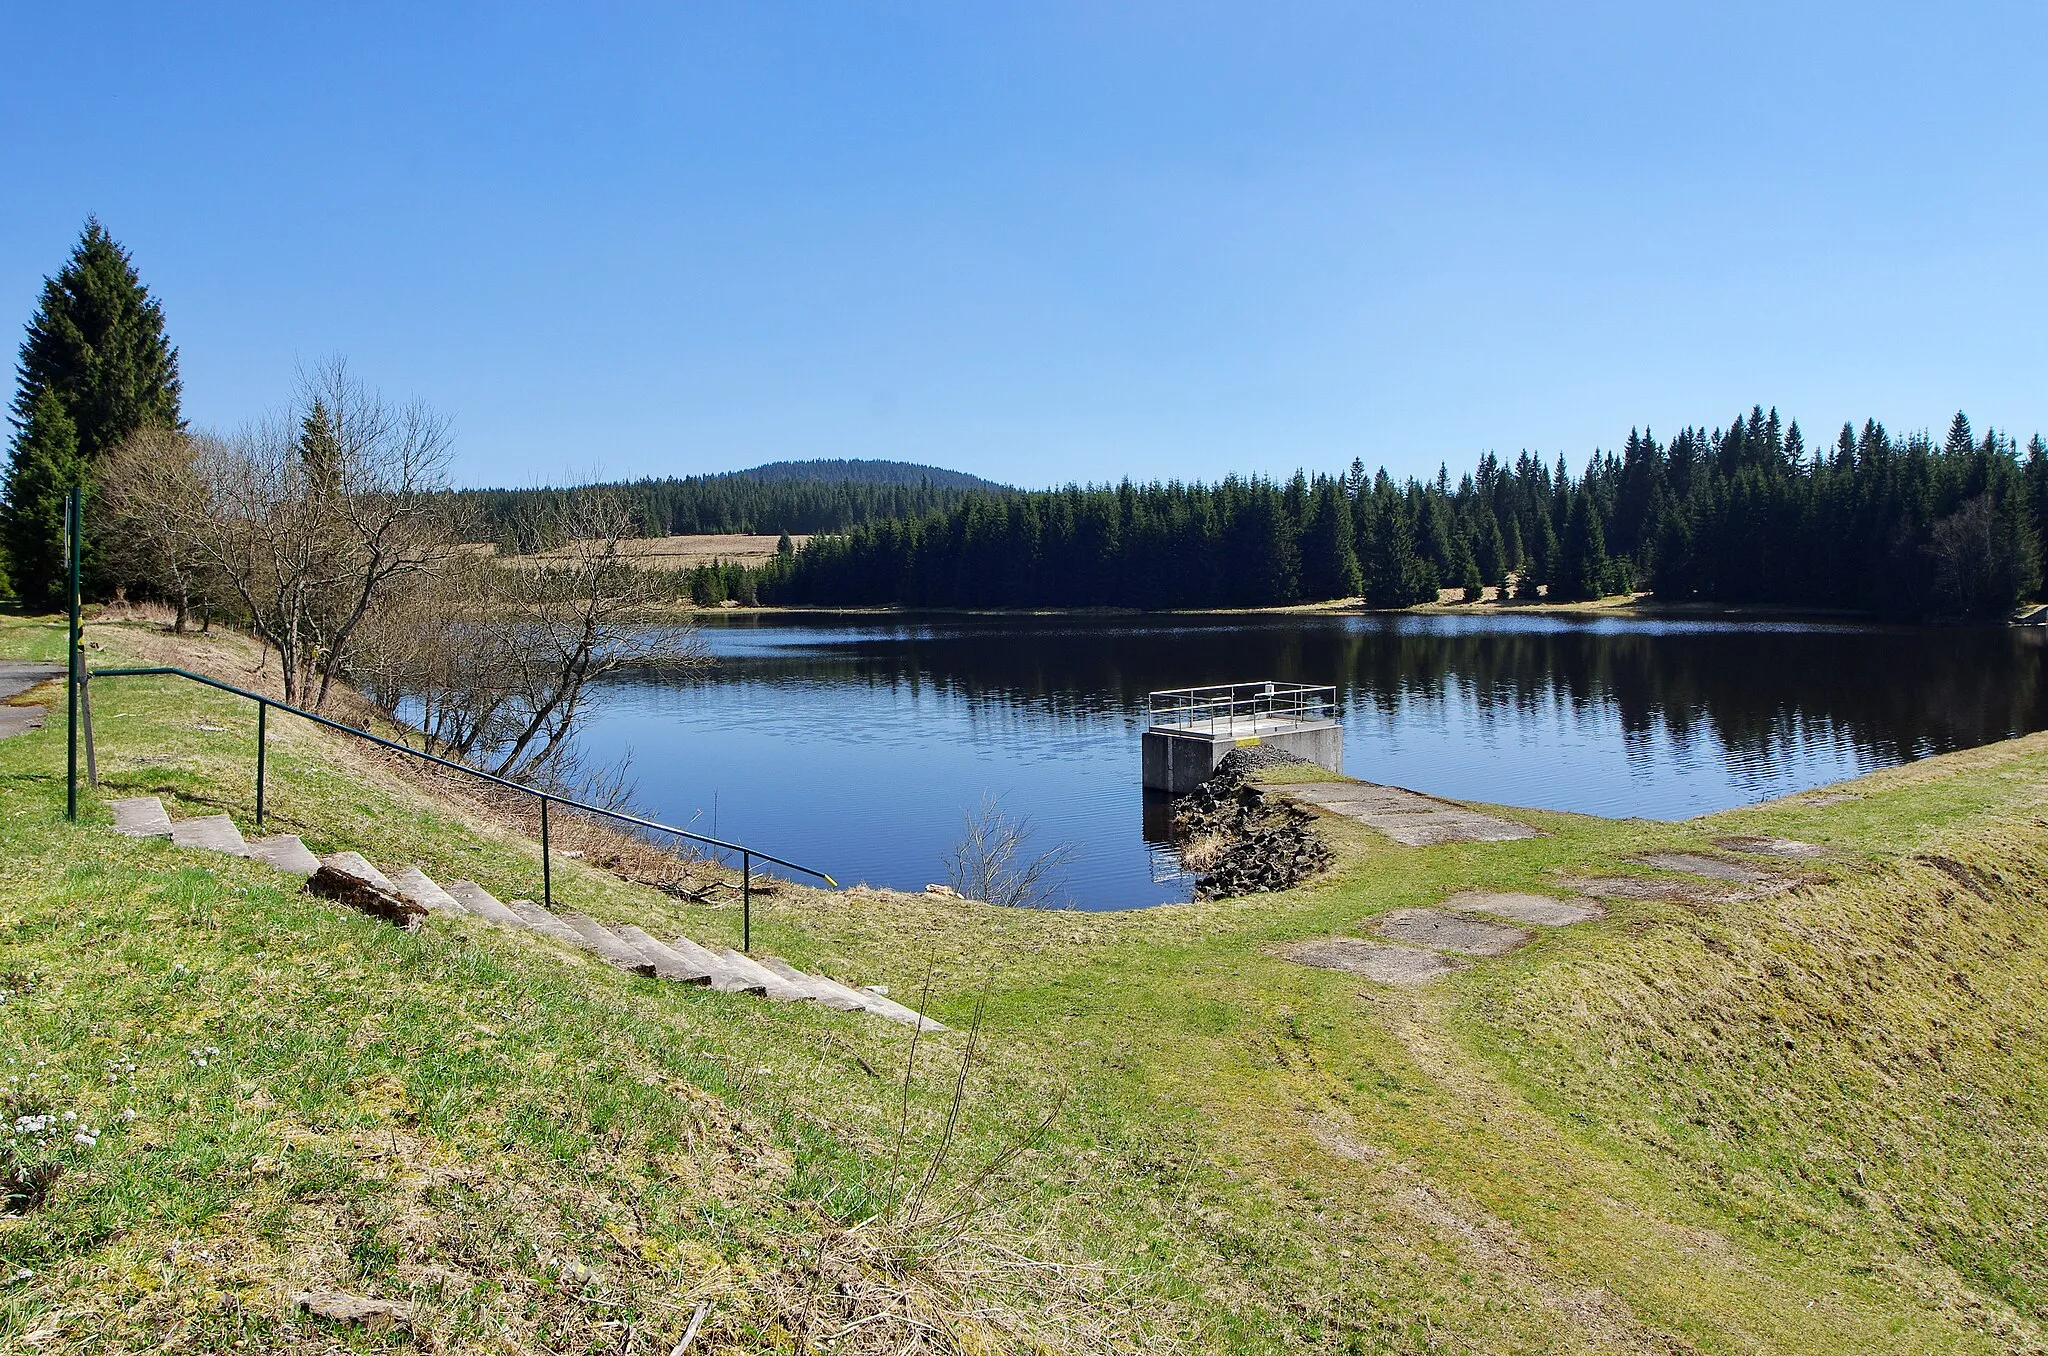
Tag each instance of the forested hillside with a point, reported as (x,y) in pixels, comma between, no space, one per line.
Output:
(862,471)
(1903,526)
(799,497)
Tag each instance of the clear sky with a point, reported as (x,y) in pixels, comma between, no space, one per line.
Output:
(1048,241)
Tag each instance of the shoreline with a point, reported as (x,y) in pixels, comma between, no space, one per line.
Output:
(1641,606)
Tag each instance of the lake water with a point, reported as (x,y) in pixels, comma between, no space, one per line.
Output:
(859,744)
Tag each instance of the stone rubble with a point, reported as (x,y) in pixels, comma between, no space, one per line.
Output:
(1264,843)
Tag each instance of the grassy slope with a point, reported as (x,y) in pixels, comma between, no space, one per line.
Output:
(1803,1123)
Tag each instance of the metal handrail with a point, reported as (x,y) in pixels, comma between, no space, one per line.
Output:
(547,798)
(1190,708)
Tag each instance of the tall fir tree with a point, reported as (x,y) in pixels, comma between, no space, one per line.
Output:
(96,345)
(320,449)
(1329,562)
(1581,571)
(2036,474)
(46,464)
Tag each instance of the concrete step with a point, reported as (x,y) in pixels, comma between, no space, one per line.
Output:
(358,867)
(884,1006)
(545,923)
(668,964)
(418,887)
(609,948)
(724,978)
(484,904)
(830,993)
(140,817)
(216,833)
(774,985)
(349,878)
(896,1012)
(287,852)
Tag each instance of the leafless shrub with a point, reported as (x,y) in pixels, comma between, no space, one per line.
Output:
(993,860)
(493,663)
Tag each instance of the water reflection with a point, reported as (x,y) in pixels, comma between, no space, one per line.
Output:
(864,741)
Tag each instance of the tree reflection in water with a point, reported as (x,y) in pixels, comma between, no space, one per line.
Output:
(1609,716)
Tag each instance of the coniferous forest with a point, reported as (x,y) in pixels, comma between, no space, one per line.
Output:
(1900,526)
(791,496)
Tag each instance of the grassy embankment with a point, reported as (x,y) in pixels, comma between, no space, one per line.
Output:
(1809,1122)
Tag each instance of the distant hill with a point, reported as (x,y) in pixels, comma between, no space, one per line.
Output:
(803,498)
(864,472)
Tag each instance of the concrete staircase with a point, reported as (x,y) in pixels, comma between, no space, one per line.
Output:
(409,897)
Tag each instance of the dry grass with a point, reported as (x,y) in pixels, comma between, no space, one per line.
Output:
(685,552)
(1598,1143)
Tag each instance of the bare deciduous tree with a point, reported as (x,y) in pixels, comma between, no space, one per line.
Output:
(993,860)
(308,520)
(492,662)
(149,493)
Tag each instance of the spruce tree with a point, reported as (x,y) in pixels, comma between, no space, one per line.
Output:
(2036,474)
(320,449)
(45,466)
(1960,442)
(1329,564)
(95,345)
(1489,548)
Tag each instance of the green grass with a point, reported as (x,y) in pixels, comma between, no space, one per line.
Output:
(1811,1122)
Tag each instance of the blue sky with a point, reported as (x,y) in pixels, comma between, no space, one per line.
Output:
(1052,242)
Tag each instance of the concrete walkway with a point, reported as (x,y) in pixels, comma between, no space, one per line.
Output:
(1407,817)
(1421,943)
(16,677)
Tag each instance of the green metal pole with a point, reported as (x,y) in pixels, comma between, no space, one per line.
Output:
(74,508)
(262,745)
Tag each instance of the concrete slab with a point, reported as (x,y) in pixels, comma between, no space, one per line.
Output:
(889,1008)
(541,921)
(348,878)
(772,984)
(417,886)
(1445,826)
(15,720)
(288,853)
(827,992)
(1542,910)
(216,833)
(1358,796)
(1713,868)
(1457,932)
(668,963)
(724,978)
(357,867)
(1765,845)
(140,817)
(1377,961)
(609,949)
(1667,889)
(484,904)
(1407,817)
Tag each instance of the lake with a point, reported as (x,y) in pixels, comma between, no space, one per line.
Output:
(859,744)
